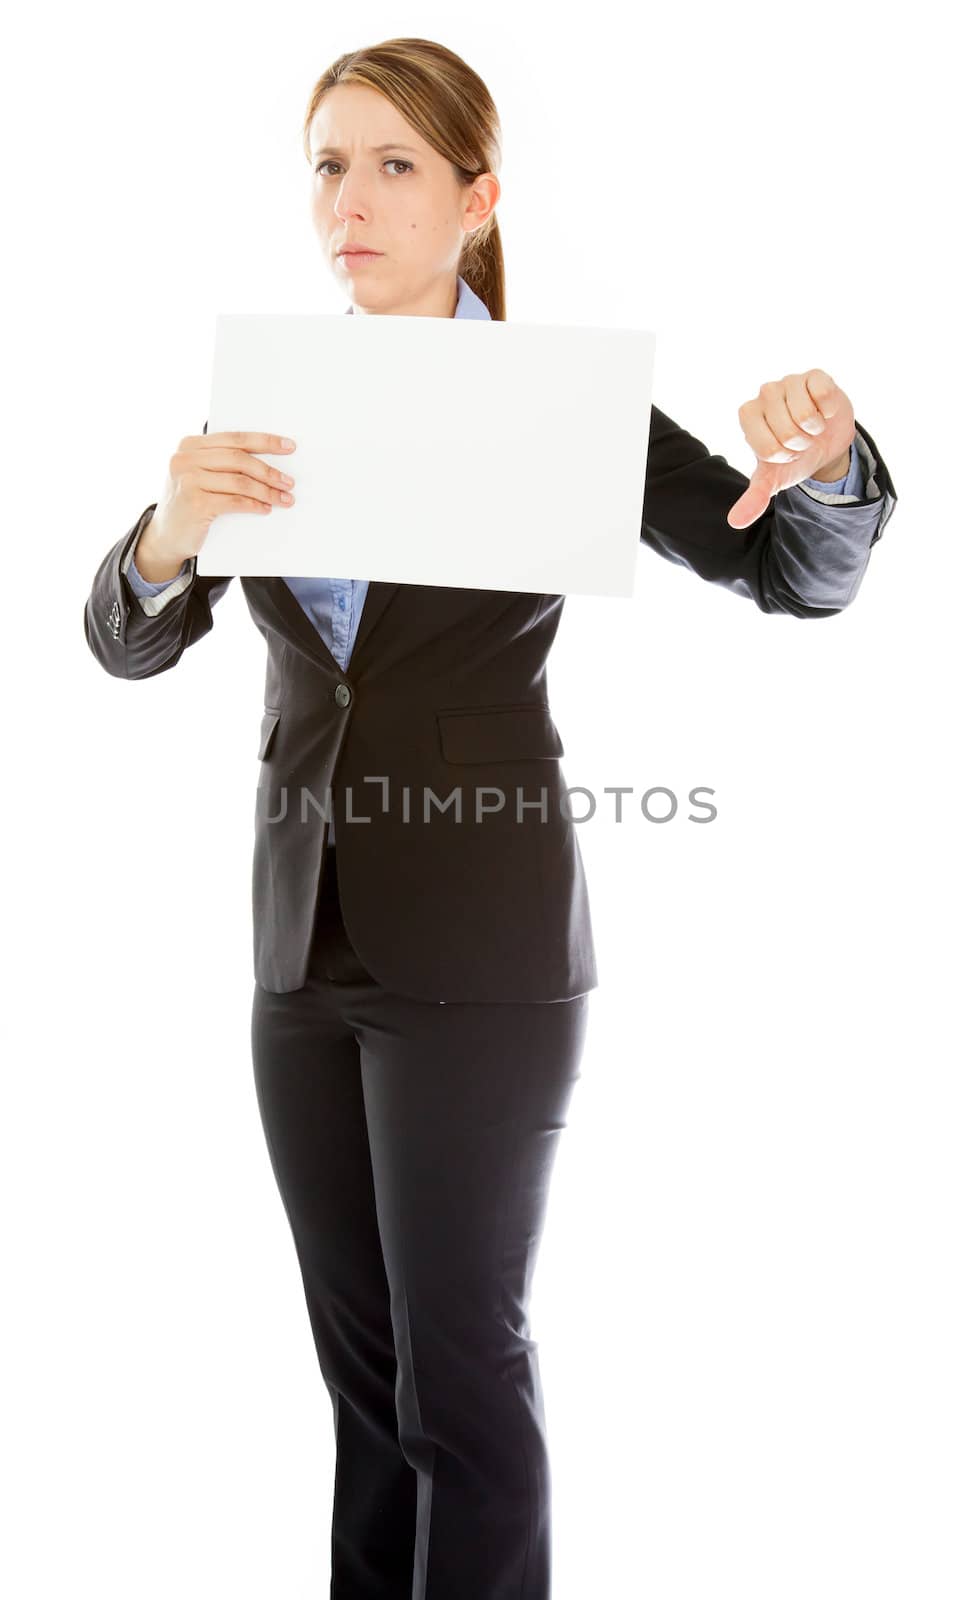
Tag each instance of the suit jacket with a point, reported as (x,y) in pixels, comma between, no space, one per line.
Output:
(446,694)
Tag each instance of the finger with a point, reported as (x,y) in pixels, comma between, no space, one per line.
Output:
(239,461)
(245,483)
(780,420)
(758,432)
(270,444)
(802,408)
(824,391)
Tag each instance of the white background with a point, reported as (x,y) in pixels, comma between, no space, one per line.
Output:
(750,1297)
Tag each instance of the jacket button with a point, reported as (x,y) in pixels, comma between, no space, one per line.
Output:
(343,694)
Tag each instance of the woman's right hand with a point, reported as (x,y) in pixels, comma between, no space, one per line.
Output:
(209,474)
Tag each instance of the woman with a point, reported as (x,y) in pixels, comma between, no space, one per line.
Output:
(413,1079)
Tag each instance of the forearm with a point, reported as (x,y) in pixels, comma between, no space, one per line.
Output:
(802,556)
(153,564)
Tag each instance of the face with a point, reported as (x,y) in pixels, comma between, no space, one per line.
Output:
(403,201)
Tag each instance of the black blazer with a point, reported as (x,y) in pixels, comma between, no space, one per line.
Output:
(446,692)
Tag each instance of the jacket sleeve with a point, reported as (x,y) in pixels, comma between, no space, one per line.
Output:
(804,556)
(136,629)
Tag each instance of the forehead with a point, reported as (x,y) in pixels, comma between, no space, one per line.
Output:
(354,117)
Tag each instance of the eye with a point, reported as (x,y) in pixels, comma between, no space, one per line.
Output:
(392,161)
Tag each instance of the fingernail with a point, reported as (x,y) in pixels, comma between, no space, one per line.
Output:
(814,425)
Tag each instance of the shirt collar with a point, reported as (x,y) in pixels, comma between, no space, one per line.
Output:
(468,304)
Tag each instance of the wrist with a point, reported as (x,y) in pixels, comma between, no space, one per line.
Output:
(154,562)
(835,469)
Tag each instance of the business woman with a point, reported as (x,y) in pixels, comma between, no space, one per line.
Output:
(422,989)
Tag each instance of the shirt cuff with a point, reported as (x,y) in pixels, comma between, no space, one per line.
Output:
(153,597)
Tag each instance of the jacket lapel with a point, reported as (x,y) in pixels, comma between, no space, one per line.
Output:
(295,625)
(378,596)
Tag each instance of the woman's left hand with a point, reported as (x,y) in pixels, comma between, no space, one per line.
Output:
(777,425)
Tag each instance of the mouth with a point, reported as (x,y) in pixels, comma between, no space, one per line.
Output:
(356,250)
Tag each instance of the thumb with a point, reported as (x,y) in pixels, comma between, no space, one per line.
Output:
(749,506)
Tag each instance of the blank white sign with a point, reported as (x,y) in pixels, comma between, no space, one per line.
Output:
(439,450)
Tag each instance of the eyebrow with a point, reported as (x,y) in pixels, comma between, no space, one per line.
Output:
(375,149)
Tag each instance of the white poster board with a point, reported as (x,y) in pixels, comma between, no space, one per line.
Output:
(434,450)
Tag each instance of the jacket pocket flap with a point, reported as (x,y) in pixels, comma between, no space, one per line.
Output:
(270,722)
(499,733)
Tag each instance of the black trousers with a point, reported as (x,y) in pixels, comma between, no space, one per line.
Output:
(413,1143)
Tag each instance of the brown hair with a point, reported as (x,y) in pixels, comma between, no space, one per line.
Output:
(446,102)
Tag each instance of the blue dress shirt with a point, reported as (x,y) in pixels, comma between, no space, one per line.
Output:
(334,605)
